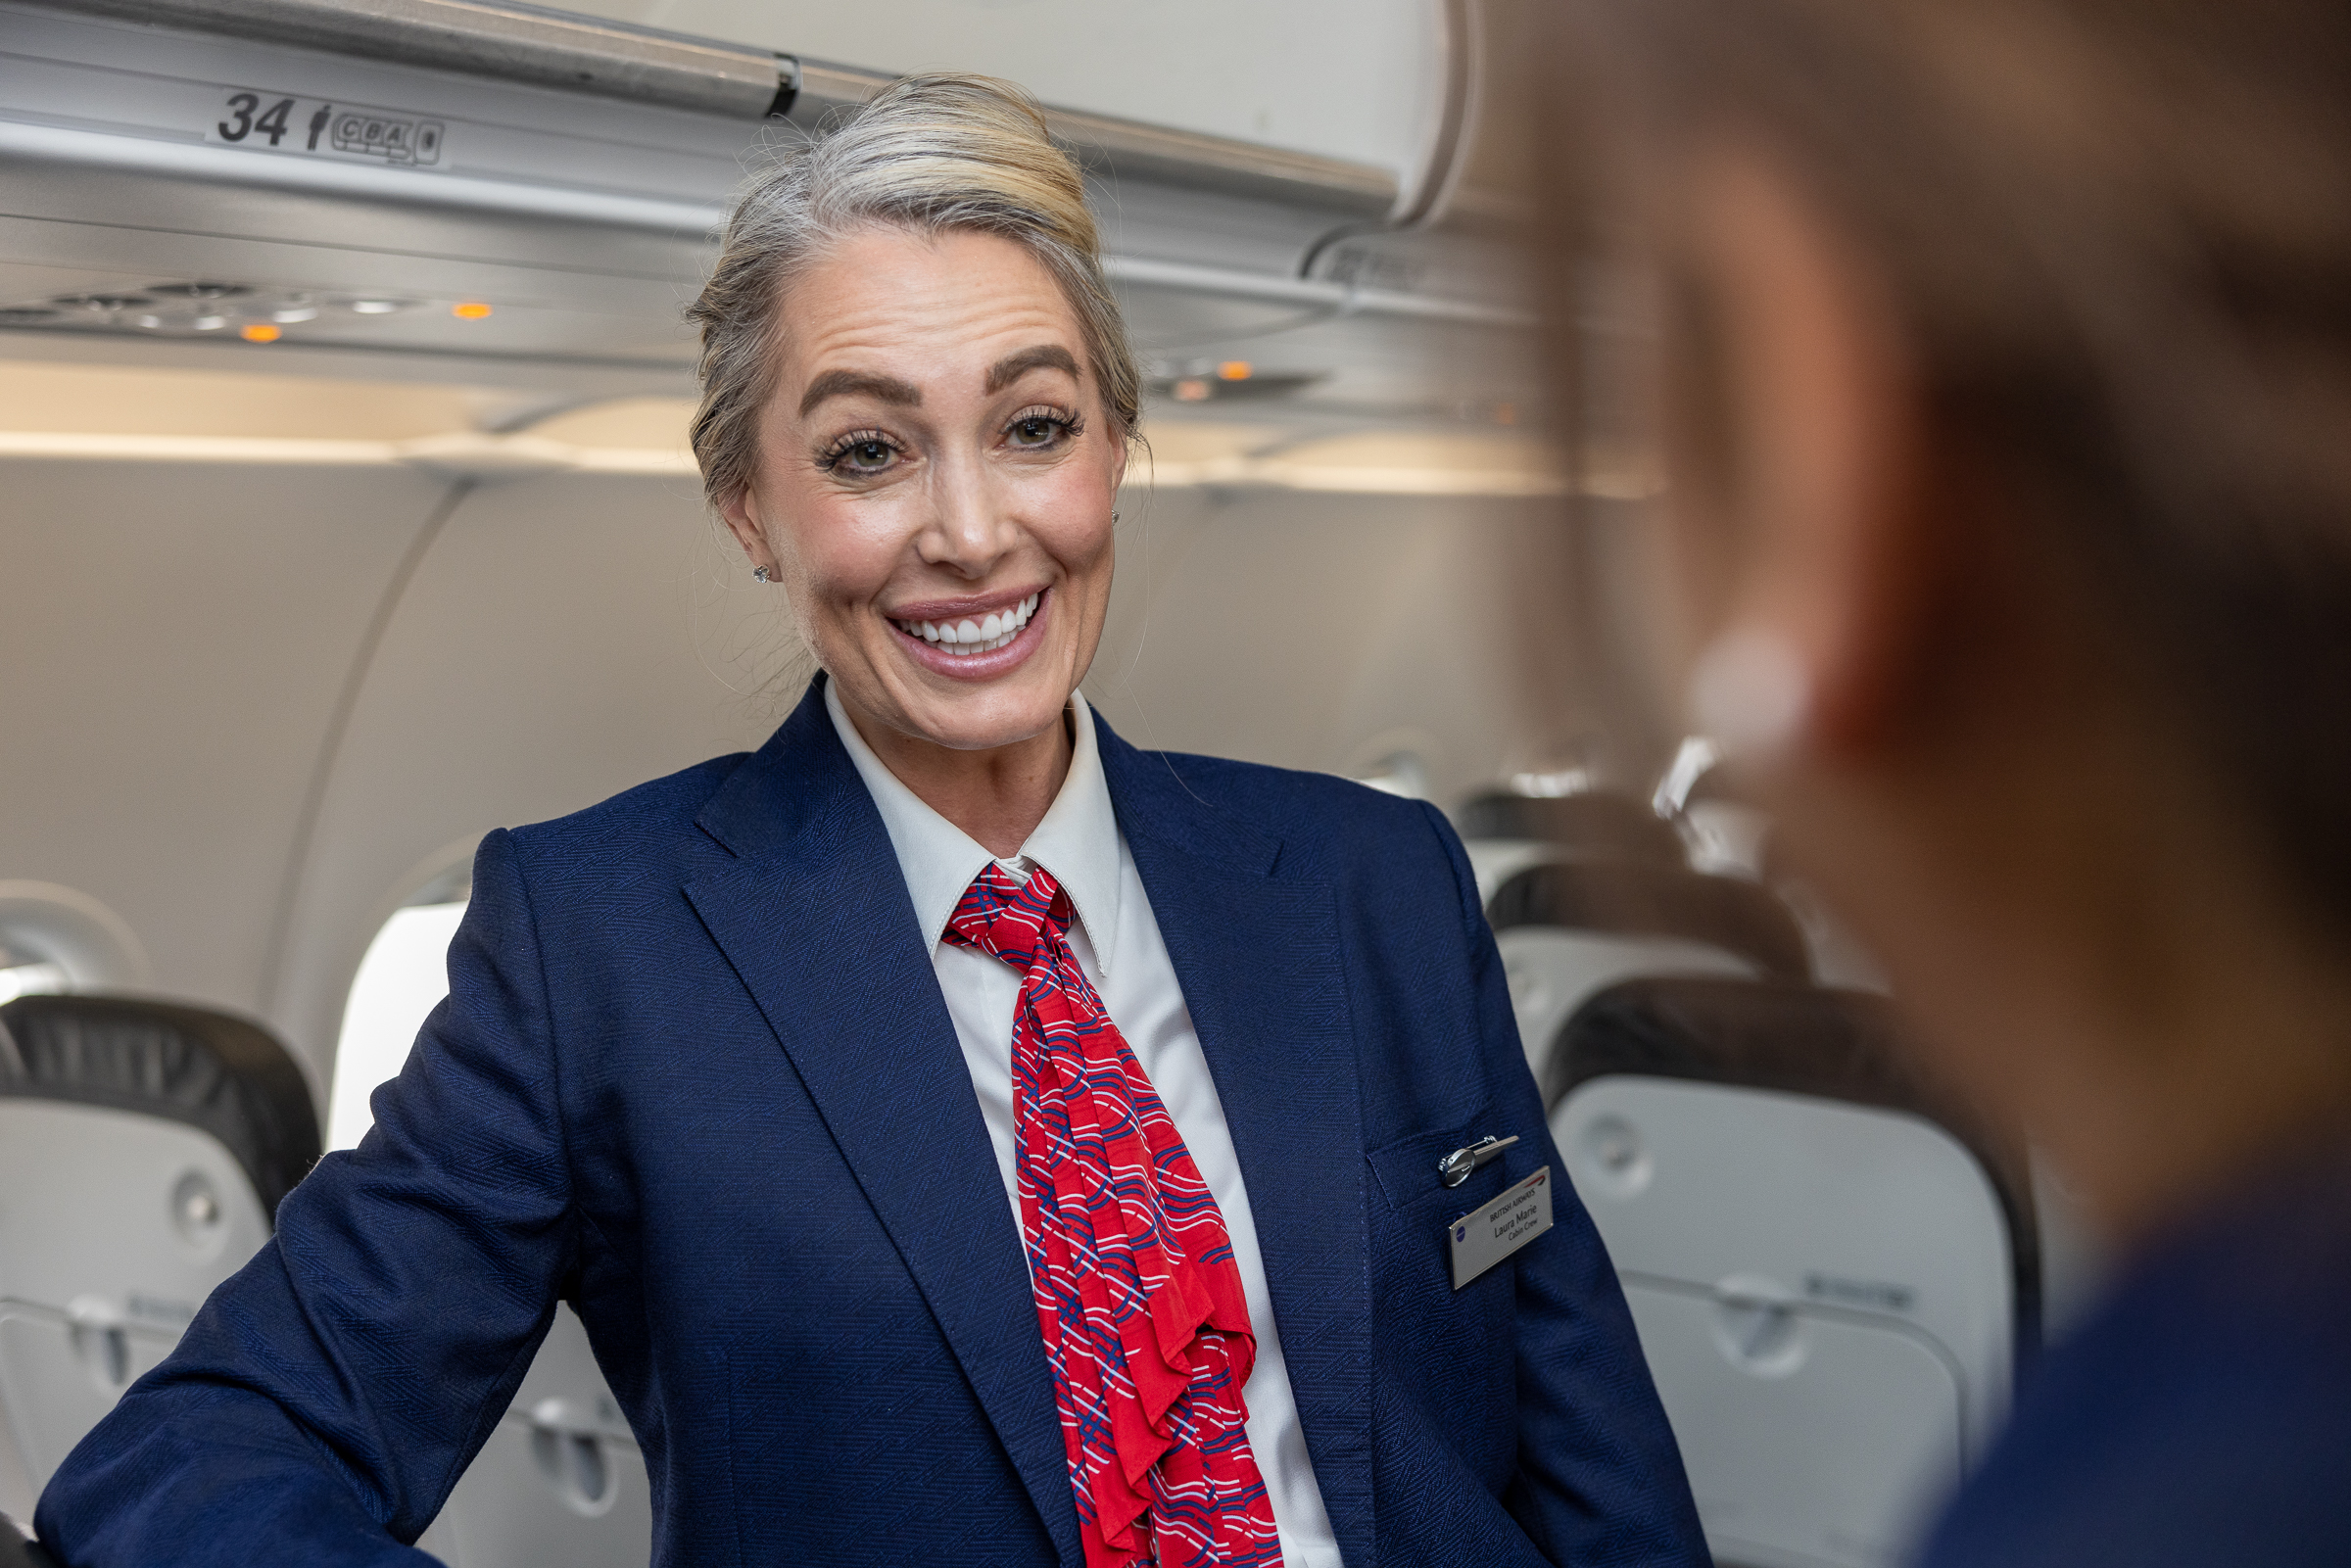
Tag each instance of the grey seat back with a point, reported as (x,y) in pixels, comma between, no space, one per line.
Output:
(560,1482)
(1833,1269)
(1505,834)
(1570,928)
(1593,821)
(144,1147)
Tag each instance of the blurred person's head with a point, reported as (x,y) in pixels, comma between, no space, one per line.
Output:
(2008,384)
(917,396)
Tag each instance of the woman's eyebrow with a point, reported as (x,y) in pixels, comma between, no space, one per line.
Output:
(1047,355)
(846,383)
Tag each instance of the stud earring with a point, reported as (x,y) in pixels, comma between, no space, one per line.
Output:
(760,572)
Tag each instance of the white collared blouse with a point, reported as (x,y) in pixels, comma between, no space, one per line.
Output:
(1117,942)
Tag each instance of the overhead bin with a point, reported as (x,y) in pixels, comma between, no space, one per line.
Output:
(510,43)
(533,46)
(541,192)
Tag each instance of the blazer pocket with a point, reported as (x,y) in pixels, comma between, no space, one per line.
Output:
(1407,1168)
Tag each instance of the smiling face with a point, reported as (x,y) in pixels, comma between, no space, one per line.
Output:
(935,474)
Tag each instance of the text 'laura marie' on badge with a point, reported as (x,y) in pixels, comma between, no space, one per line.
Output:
(1486,1236)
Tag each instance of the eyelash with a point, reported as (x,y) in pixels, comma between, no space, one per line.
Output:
(1070,425)
(830,458)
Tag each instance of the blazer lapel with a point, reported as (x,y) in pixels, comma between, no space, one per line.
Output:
(815,918)
(1258,958)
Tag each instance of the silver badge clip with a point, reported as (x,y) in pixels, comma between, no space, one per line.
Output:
(1457,1166)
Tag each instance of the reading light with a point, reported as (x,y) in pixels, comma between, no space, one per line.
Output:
(261,332)
(376,306)
(1190,390)
(471,311)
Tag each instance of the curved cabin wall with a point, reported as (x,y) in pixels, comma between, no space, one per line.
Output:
(176,637)
(567,638)
(184,637)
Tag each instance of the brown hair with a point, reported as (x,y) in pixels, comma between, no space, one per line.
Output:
(2119,233)
(929,153)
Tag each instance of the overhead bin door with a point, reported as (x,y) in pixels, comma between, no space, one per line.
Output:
(1359,80)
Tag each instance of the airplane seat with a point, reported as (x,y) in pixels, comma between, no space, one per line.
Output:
(144,1147)
(559,1479)
(1834,1272)
(1570,928)
(1504,833)
(19,1551)
(560,1482)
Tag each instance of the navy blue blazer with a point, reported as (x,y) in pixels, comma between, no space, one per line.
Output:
(2201,1416)
(694,1075)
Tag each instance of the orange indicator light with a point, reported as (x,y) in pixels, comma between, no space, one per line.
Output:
(261,332)
(471,311)
(1235,370)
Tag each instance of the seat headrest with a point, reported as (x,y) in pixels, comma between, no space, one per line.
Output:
(1594,823)
(17,1551)
(1758,1034)
(220,1075)
(1631,899)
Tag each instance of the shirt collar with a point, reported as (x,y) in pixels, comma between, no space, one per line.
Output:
(1078,840)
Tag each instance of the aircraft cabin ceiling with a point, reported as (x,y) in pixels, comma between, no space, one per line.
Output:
(225,183)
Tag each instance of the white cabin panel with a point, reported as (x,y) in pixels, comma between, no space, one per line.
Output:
(1357,79)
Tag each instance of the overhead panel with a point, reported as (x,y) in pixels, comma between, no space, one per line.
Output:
(140,160)
(543,194)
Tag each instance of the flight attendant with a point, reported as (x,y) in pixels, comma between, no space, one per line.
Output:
(2010,347)
(966,1138)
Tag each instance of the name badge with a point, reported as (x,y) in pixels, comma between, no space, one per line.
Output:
(1485,1237)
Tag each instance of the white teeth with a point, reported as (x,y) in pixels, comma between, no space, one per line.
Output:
(968,637)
